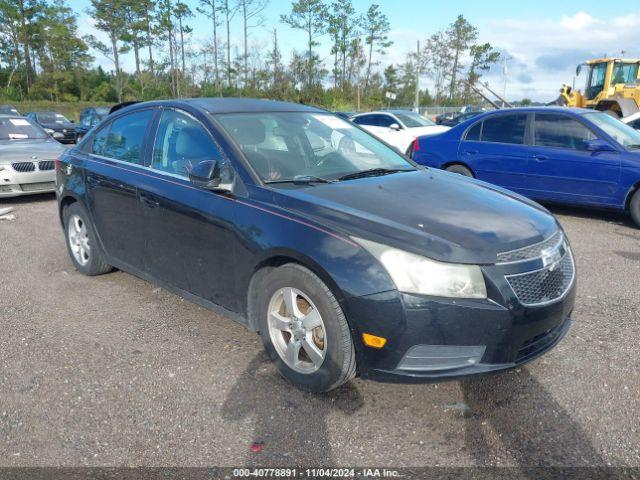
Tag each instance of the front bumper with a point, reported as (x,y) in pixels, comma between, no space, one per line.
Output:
(434,339)
(15,184)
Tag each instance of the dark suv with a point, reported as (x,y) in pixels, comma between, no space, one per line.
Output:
(345,256)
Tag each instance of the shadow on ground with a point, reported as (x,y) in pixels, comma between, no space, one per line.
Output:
(514,413)
(290,425)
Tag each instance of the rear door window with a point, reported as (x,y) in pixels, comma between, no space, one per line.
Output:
(369,120)
(126,137)
(504,129)
(560,131)
(386,121)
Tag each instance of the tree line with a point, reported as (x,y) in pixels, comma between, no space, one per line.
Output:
(44,57)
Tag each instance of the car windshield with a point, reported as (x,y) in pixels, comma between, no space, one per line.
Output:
(102,112)
(413,120)
(625,135)
(285,146)
(51,117)
(9,110)
(20,129)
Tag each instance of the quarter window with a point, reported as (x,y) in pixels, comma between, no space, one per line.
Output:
(125,137)
(181,143)
(473,134)
(552,130)
(504,129)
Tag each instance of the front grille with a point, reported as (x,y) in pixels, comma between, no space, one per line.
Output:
(24,167)
(532,251)
(46,165)
(539,342)
(5,189)
(37,186)
(545,285)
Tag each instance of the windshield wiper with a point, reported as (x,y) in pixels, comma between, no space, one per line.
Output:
(302,180)
(372,172)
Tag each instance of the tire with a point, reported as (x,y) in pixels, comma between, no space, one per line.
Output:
(634,208)
(287,339)
(459,169)
(82,245)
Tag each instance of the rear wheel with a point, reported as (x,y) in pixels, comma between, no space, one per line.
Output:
(304,329)
(81,241)
(460,169)
(634,208)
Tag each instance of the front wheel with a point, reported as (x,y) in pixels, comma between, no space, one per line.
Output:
(634,208)
(304,330)
(459,169)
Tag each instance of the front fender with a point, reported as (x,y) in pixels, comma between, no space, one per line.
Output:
(270,233)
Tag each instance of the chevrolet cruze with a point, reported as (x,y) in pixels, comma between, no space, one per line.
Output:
(345,256)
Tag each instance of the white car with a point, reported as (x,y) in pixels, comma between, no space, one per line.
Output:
(632,120)
(399,128)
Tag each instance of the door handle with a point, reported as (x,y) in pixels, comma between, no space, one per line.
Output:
(149,201)
(540,158)
(471,152)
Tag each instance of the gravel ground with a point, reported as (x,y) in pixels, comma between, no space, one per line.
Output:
(114,371)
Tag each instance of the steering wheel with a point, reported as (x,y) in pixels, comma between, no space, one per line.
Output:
(333,157)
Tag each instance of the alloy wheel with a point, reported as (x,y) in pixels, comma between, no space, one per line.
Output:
(79,239)
(297,330)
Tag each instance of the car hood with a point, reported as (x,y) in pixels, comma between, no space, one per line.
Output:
(25,150)
(432,130)
(443,216)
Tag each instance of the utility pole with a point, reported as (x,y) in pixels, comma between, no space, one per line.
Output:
(357,54)
(505,73)
(416,103)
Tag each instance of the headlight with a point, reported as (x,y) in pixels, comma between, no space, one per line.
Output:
(413,273)
(50,131)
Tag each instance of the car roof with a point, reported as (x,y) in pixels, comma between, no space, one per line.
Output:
(550,109)
(233,105)
(374,112)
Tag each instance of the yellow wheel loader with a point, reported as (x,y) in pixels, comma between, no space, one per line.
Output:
(612,86)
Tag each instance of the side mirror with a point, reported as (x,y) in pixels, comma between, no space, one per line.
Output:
(395,126)
(207,175)
(598,145)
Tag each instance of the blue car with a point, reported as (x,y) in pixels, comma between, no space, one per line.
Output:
(310,231)
(560,155)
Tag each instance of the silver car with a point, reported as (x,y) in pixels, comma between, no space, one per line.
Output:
(27,157)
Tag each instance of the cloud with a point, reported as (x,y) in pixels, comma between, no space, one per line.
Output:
(544,52)
(560,59)
(579,21)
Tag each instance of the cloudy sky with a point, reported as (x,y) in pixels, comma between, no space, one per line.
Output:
(543,39)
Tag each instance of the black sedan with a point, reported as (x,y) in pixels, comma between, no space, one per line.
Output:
(346,257)
(463,117)
(56,125)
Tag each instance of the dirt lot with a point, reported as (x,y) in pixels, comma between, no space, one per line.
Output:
(114,371)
